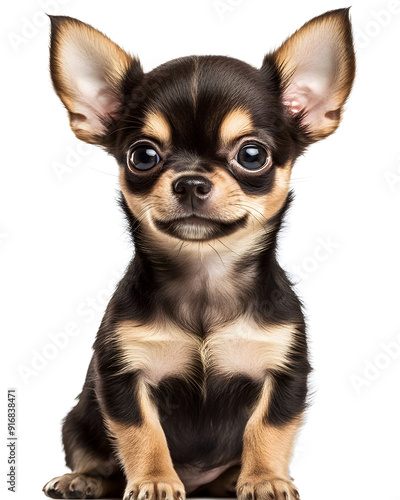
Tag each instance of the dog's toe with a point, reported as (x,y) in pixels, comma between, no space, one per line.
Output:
(73,486)
(51,489)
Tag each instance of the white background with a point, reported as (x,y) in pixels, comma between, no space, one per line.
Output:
(63,242)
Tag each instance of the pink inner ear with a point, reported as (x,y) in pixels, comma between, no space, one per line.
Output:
(97,109)
(96,103)
(317,65)
(87,76)
(294,103)
(310,96)
(312,85)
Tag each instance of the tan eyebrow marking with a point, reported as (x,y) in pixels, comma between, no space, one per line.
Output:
(157,127)
(235,124)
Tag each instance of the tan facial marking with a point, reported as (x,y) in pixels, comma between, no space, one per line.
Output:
(157,127)
(143,449)
(269,204)
(136,203)
(235,124)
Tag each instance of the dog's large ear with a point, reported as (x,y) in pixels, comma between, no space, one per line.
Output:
(317,65)
(87,70)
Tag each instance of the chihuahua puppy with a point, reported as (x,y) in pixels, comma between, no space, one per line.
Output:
(198,381)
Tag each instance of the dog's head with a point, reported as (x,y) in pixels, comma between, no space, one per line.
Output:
(205,144)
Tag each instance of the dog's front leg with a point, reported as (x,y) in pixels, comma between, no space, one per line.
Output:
(144,454)
(267,450)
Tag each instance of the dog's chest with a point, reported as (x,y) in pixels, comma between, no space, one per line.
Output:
(241,347)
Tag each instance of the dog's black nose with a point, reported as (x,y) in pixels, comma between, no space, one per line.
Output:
(191,190)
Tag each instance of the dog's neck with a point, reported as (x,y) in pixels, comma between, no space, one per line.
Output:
(203,285)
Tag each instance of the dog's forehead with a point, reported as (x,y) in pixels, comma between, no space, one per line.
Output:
(197,101)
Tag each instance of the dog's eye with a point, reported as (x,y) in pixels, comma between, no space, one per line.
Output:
(252,157)
(143,158)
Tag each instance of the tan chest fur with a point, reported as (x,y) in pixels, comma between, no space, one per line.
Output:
(241,347)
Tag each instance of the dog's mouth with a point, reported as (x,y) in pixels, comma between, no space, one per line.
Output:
(198,228)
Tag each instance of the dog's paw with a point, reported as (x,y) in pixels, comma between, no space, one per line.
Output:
(270,489)
(73,486)
(155,490)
